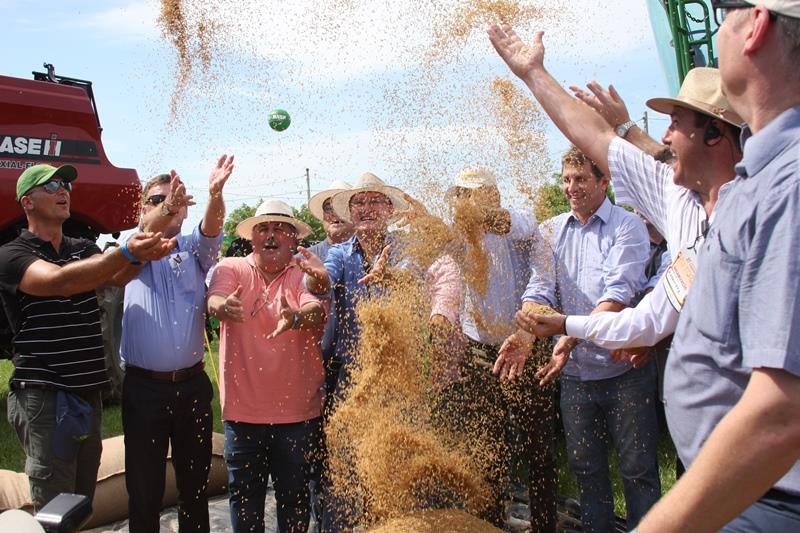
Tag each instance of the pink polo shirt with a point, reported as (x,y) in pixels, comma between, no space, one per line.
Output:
(277,381)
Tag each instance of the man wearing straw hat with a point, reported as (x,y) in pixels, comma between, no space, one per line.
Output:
(166,397)
(353,267)
(272,373)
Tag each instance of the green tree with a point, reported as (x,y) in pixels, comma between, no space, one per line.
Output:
(305,215)
(234,217)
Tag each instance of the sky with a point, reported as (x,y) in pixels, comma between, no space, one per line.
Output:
(399,88)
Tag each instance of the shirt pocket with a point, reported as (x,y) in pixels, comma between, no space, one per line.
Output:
(718,291)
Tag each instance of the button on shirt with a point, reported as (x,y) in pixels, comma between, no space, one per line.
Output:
(164,310)
(742,312)
(345,264)
(576,266)
(506,278)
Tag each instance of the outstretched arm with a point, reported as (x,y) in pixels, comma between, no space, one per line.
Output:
(579,123)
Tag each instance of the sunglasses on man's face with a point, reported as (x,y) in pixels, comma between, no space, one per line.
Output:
(156,199)
(52,186)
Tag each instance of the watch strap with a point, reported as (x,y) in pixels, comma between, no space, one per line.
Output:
(623,129)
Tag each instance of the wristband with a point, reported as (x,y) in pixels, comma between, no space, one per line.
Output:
(127,253)
(564,326)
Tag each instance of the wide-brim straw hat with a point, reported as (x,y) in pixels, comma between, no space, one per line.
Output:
(472,178)
(272,211)
(701,91)
(789,8)
(367,182)
(317,201)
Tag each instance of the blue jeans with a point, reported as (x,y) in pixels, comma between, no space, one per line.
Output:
(622,408)
(253,453)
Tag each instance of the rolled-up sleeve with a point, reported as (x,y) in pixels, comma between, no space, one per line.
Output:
(443,280)
(206,249)
(623,273)
(542,283)
(223,280)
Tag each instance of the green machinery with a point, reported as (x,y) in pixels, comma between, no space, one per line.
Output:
(690,41)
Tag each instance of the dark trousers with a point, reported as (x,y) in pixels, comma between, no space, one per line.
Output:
(484,410)
(253,453)
(156,414)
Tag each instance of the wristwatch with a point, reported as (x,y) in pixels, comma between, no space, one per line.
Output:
(623,129)
(296,320)
(165,209)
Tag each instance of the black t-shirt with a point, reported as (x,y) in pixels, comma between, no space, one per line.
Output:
(57,339)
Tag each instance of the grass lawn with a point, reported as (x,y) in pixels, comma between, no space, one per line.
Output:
(12,457)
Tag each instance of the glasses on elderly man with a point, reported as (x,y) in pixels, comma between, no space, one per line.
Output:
(52,186)
(722,7)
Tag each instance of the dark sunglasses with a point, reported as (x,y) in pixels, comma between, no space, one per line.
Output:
(156,199)
(52,186)
(721,8)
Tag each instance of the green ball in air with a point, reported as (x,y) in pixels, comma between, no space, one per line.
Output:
(279,120)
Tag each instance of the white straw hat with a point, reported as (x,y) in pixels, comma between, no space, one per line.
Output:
(272,210)
(367,182)
(317,201)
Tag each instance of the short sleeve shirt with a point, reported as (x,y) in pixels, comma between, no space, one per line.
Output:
(57,340)
(742,312)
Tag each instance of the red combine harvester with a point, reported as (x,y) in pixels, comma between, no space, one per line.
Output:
(53,119)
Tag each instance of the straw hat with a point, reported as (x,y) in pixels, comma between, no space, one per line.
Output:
(472,178)
(272,211)
(367,182)
(701,91)
(317,201)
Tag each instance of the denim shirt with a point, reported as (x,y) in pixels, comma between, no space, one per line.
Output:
(576,266)
(345,264)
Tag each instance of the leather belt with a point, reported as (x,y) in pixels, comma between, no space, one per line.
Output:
(174,376)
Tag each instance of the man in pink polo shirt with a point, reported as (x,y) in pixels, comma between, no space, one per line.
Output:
(272,374)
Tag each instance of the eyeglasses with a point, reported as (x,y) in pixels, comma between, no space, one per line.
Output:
(52,186)
(156,199)
(721,8)
(372,202)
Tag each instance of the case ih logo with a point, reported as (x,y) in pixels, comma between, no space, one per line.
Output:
(51,148)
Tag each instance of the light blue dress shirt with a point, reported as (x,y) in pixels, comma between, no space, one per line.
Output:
(742,312)
(164,310)
(575,267)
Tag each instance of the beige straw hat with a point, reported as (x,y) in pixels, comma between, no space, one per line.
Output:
(272,210)
(317,201)
(701,91)
(367,182)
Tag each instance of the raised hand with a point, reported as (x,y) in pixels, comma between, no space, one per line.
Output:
(540,325)
(285,320)
(560,356)
(512,355)
(177,197)
(521,58)
(220,174)
(147,246)
(232,308)
(313,265)
(378,271)
(415,211)
(608,103)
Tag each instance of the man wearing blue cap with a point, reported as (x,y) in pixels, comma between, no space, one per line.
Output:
(47,286)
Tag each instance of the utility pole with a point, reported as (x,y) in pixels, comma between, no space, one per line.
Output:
(308,188)
(645,123)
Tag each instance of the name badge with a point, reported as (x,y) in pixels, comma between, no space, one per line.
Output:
(679,277)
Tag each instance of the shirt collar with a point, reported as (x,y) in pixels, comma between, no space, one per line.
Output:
(762,147)
(603,212)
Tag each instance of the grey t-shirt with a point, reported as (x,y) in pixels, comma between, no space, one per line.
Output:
(742,312)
